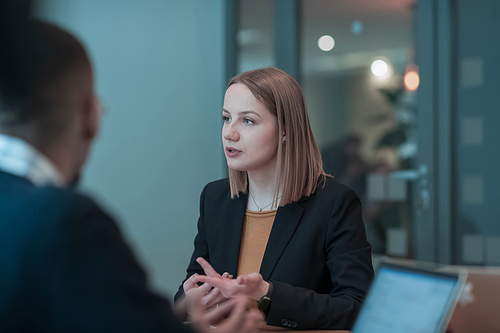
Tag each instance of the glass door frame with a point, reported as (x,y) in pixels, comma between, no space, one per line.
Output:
(434,44)
(433,189)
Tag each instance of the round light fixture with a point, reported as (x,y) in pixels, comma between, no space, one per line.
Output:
(412,80)
(326,43)
(379,68)
(356,27)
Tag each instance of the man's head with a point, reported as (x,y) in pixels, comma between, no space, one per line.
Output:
(55,107)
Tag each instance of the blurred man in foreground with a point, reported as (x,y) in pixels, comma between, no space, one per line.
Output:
(64,264)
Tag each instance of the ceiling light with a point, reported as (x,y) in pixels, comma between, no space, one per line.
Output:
(356,27)
(412,80)
(379,68)
(326,43)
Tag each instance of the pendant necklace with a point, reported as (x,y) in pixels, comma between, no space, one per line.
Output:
(261,208)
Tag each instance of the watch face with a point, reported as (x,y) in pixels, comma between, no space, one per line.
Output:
(264,303)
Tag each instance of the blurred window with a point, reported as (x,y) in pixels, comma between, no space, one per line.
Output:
(255,35)
(355,56)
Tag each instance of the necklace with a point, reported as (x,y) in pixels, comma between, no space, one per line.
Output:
(261,208)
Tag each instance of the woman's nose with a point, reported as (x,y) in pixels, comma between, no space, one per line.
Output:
(230,133)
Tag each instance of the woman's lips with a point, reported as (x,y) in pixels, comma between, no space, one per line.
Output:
(232,152)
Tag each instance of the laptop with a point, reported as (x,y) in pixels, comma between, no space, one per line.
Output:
(478,309)
(406,299)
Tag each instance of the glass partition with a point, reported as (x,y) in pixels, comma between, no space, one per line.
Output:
(359,79)
(255,35)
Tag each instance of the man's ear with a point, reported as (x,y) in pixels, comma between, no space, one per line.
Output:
(90,115)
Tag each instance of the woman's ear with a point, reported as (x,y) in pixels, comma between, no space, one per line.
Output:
(283,138)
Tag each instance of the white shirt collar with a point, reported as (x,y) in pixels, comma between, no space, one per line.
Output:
(22,159)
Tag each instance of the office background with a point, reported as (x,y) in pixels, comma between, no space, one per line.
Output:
(161,70)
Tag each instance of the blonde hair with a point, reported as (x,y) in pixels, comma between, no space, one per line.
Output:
(299,159)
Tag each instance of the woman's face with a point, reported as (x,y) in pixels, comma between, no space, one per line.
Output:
(250,132)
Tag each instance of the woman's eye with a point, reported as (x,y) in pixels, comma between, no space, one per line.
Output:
(248,121)
(225,119)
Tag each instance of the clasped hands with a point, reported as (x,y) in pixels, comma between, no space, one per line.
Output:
(232,316)
(201,303)
(219,288)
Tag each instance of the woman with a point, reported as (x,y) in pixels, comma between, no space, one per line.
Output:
(292,235)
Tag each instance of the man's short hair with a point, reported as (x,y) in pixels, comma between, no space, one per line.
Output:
(52,55)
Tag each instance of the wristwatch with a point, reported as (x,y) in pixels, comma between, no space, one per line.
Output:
(265,301)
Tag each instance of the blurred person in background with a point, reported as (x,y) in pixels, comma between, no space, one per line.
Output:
(344,161)
(64,264)
(292,236)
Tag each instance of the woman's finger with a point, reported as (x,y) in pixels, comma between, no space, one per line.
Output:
(214,281)
(237,317)
(220,299)
(224,309)
(190,282)
(205,288)
(228,288)
(207,268)
(213,298)
(252,279)
(252,285)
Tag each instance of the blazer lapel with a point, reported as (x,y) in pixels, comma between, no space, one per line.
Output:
(234,227)
(286,221)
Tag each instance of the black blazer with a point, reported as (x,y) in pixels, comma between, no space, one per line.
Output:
(317,255)
(64,267)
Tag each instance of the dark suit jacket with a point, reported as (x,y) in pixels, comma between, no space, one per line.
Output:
(317,255)
(64,267)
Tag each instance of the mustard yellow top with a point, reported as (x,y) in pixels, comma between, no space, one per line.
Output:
(256,230)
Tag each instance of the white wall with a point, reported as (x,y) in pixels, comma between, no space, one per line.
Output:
(159,69)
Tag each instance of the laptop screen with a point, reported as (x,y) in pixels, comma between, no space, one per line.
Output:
(404,299)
